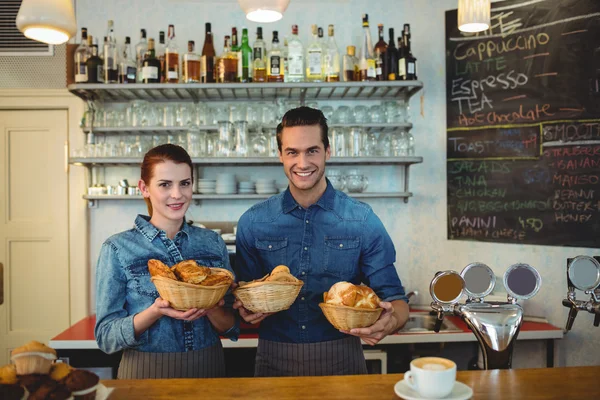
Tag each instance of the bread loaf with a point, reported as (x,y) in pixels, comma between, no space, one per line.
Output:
(350,295)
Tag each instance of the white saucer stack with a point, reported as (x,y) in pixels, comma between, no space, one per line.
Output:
(206,186)
(247,187)
(266,186)
(226,183)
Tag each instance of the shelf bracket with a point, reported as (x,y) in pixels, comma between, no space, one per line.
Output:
(406,176)
(92,203)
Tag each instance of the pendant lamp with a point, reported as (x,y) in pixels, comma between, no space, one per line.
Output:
(474,15)
(48,21)
(264,10)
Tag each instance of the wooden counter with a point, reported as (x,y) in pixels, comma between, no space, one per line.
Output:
(543,383)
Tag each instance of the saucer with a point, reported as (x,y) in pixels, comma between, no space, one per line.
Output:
(460,391)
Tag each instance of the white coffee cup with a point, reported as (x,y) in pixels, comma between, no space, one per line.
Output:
(431,377)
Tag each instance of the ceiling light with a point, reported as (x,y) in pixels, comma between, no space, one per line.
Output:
(474,15)
(48,21)
(264,10)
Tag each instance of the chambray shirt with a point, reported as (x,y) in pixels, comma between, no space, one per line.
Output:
(336,239)
(123,288)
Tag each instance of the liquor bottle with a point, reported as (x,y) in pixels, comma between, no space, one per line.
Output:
(260,57)
(246,55)
(140,53)
(207,63)
(381,72)
(275,61)
(95,64)
(160,51)
(407,64)
(350,65)
(111,56)
(172,58)
(295,58)
(151,71)
(227,63)
(127,68)
(331,60)
(366,61)
(284,52)
(235,48)
(82,53)
(314,58)
(391,58)
(190,65)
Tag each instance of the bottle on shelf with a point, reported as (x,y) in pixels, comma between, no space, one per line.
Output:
(207,64)
(314,57)
(407,63)
(381,72)
(331,60)
(94,64)
(366,61)
(111,56)
(259,50)
(284,52)
(246,56)
(350,65)
(391,58)
(127,67)
(190,65)
(160,52)
(171,67)
(295,58)
(235,48)
(151,71)
(227,64)
(275,61)
(140,53)
(82,53)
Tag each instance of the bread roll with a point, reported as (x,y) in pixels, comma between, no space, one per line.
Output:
(342,294)
(366,297)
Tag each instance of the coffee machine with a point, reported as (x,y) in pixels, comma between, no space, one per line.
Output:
(496,325)
(583,273)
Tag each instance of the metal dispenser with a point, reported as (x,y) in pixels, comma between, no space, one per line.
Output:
(495,324)
(583,273)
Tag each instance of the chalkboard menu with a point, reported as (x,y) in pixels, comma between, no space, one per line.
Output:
(523,125)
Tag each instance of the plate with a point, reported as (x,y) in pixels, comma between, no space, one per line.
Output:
(460,391)
(102,392)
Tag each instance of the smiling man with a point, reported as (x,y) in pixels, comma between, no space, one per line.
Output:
(324,237)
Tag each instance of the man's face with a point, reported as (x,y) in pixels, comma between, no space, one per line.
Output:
(303,156)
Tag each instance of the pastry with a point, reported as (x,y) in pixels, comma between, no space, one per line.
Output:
(214,280)
(190,272)
(280,269)
(282,277)
(51,390)
(82,384)
(8,375)
(33,381)
(12,392)
(60,371)
(33,358)
(158,268)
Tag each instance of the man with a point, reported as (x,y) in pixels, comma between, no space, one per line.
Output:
(324,237)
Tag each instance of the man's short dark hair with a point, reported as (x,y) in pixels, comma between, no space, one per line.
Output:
(303,116)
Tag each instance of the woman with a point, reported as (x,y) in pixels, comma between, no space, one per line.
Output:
(159,341)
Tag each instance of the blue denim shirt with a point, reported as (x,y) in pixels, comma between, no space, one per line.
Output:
(336,239)
(123,288)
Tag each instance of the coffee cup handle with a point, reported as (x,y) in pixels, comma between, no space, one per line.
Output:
(408,377)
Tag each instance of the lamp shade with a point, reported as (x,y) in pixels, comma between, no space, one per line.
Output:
(264,10)
(48,21)
(474,15)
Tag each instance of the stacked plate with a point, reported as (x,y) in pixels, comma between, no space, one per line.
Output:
(206,186)
(247,187)
(266,186)
(226,183)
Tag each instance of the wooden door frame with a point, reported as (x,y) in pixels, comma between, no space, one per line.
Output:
(79,265)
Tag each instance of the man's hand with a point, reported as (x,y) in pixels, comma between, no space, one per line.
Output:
(164,308)
(248,316)
(385,325)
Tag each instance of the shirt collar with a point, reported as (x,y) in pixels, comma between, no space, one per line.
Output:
(143,225)
(326,201)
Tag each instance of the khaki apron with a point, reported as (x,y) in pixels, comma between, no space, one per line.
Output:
(337,357)
(205,363)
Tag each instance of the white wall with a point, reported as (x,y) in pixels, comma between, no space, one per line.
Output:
(419,227)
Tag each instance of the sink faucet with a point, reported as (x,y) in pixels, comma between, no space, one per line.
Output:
(412,294)
(583,273)
(496,325)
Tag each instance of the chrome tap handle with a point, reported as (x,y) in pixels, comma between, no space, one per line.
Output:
(572,313)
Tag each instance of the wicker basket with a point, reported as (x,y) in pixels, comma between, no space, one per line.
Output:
(268,297)
(346,318)
(184,296)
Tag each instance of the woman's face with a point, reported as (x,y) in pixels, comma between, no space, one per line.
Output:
(169,191)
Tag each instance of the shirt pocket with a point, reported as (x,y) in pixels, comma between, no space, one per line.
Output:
(139,279)
(210,260)
(341,256)
(272,251)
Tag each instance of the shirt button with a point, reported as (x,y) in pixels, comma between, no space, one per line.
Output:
(303,273)
(272,246)
(307,221)
(341,245)
(302,298)
(306,249)
(303,327)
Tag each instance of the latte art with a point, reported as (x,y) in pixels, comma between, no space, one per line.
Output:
(434,367)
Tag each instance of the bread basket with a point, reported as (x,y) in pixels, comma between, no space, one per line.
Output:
(268,297)
(184,296)
(346,318)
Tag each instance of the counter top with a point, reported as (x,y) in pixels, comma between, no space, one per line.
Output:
(543,383)
(81,335)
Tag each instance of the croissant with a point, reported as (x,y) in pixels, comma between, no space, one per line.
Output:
(190,272)
(217,279)
(158,268)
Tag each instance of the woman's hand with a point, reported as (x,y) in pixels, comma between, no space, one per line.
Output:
(162,307)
